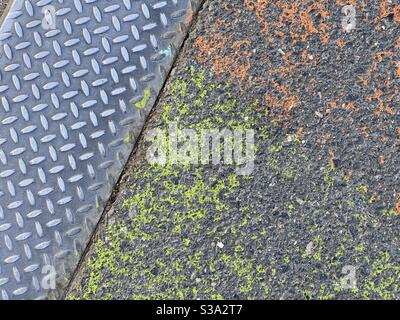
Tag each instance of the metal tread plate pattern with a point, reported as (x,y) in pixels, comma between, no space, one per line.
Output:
(74,96)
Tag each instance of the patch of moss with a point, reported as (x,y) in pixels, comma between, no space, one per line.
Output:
(143,103)
(161,203)
(383,280)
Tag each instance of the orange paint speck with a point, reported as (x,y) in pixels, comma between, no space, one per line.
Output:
(210,50)
(340,43)
(381,160)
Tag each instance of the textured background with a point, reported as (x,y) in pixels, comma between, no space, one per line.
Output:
(72,108)
(324,194)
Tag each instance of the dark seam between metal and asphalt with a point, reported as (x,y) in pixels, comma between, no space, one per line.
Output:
(74,99)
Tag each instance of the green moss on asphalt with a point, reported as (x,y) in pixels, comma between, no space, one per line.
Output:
(160,204)
(186,234)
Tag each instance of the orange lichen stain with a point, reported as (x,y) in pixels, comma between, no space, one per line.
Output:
(210,51)
(328,136)
(381,107)
(387,8)
(398,207)
(379,56)
(350,107)
(359,5)
(296,17)
(284,104)
(259,6)
(239,43)
(340,43)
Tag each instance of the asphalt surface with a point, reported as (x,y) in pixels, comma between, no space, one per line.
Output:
(324,195)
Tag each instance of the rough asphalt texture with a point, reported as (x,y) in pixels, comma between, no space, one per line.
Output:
(324,193)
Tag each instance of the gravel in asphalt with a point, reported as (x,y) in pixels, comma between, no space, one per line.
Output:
(318,218)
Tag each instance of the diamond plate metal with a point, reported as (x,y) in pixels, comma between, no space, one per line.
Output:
(73,100)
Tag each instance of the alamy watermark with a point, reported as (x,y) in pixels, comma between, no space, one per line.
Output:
(206,146)
(49,277)
(49,17)
(349,20)
(349,280)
